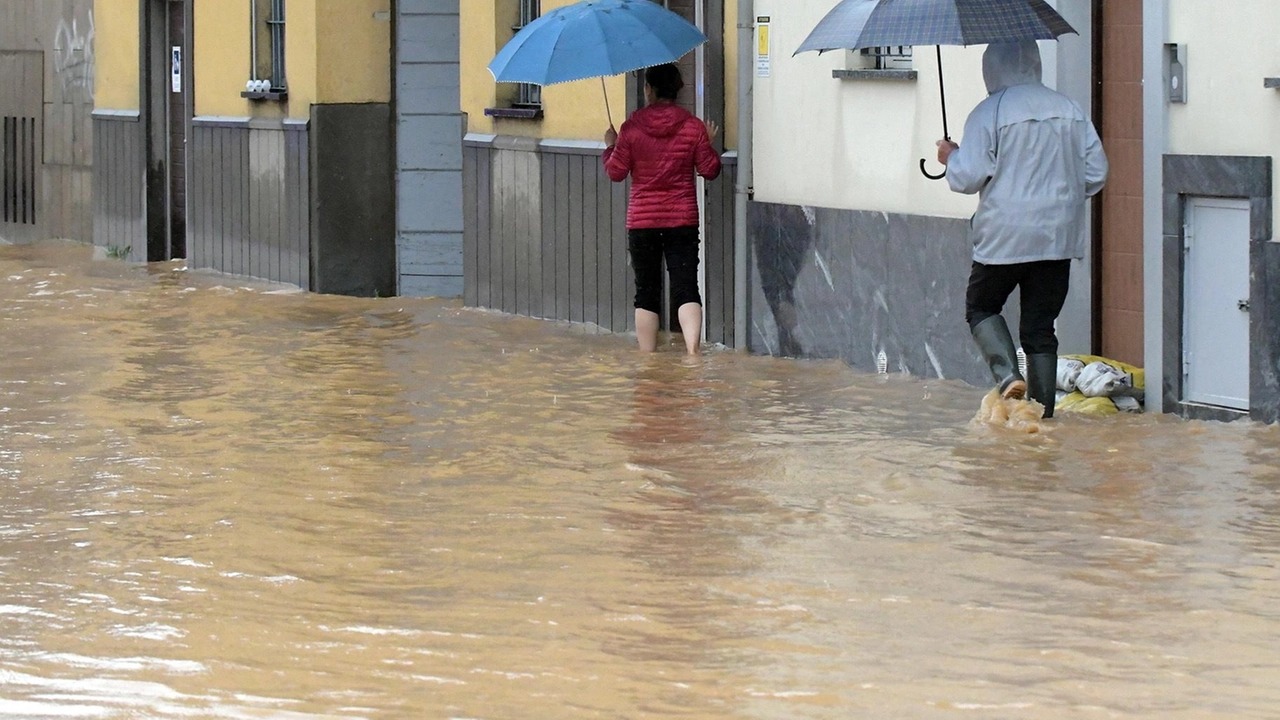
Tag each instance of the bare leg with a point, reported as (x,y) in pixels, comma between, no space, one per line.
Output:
(691,326)
(647,330)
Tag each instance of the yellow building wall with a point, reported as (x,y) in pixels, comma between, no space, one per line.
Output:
(573,111)
(116,51)
(730,134)
(222,63)
(353,64)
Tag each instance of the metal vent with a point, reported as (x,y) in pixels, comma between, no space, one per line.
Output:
(18,171)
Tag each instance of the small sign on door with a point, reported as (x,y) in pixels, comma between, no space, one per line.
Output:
(176,74)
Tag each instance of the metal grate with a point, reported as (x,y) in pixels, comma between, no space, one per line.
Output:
(893,57)
(18,167)
(276,25)
(528,95)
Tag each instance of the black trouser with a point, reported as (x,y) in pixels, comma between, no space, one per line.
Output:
(680,247)
(1044,291)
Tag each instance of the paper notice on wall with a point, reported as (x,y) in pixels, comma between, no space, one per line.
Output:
(764,64)
(176,72)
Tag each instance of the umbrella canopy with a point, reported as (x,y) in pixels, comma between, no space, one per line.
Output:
(855,24)
(595,38)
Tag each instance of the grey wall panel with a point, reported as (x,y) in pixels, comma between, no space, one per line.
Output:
(848,284)
(353,180)
(547,307)
(484,228)
(564,257)
(249,200)
(604,247)
(429,159)
(429,38)
(470,234)
(624,284)
(590,239)
(430,142)
(300,245)
(430,201)
(118,166)
(428,89)
(718,256)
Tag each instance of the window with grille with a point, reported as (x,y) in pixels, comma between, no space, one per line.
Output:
(18,171)
(268,49)
(893,57)
(527,95)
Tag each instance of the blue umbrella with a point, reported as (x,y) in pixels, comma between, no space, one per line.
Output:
(595,38)
(856,24)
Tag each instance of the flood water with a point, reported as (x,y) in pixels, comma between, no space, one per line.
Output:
(224,501)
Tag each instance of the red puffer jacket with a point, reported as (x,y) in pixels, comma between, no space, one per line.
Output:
(660,147)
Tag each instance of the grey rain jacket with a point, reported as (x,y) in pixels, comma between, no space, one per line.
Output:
(1034,156)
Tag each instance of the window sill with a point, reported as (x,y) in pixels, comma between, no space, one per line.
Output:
(898,75)
(268,96)
(514,113)
(1271,83)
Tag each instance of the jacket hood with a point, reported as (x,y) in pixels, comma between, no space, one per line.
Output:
(1005,65)
(661,120)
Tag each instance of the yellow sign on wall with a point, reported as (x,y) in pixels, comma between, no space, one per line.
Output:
(764,66)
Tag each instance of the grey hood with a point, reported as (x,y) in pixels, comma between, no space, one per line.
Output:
(1005,65)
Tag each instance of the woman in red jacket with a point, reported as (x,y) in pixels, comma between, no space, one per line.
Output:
(660,147)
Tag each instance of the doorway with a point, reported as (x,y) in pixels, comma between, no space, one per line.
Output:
(167,93)
(1216,303)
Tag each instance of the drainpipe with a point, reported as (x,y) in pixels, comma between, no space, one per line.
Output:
(742,188)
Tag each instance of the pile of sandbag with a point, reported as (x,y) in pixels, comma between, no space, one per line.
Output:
(1099,386)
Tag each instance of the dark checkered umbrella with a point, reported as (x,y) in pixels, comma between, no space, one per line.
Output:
(856,24)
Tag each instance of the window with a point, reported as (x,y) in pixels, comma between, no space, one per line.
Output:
(878,63)
(894,57)
(267,74)
(524,101)
(528,96)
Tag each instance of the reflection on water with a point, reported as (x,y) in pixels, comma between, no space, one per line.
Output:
(225,501)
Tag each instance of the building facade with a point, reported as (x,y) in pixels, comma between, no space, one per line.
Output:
(47,65)
(858,256)
(1211,262)
(253,137)
(545,228)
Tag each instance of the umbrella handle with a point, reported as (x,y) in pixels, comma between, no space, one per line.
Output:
(607,111)
(946,131)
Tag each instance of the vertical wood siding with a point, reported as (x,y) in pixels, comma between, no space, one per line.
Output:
(119,210)
(545,237)
(249,200)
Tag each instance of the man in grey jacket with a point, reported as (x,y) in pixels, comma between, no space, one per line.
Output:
(1036,159)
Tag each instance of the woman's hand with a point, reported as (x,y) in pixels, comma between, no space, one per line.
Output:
(610,137)
(712,130)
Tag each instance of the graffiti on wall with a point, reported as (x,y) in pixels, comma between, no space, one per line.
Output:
(73,58)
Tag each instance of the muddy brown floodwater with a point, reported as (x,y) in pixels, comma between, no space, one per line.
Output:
(224,501)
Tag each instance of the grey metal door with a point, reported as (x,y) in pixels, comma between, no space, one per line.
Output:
(429,130)
(1216,316)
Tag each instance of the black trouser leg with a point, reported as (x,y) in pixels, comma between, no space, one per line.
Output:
(989,288)
(1044,292)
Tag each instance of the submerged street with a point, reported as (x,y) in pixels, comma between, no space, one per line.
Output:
(225,500)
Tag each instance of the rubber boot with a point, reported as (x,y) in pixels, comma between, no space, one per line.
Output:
(1042,381)
(995,342)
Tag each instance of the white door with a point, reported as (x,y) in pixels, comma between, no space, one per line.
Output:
(1216,314)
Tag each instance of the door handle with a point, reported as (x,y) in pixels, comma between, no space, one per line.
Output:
(1243,305)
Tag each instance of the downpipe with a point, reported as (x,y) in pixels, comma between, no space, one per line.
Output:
(742,186)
